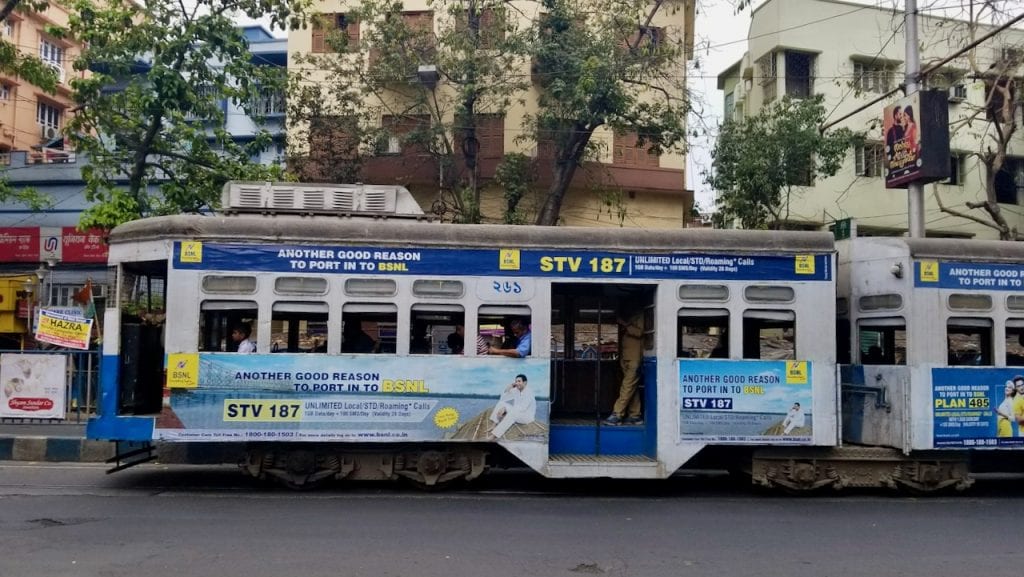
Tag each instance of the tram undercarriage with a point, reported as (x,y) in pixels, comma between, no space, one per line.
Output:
(302,467)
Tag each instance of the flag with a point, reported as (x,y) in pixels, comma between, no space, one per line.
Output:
(83,298)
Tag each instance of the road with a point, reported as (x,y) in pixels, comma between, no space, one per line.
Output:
(73,520)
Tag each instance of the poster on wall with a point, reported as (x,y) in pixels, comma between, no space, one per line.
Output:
(916,135)
(33,386)
(975,407)
(763,402)
(222,397)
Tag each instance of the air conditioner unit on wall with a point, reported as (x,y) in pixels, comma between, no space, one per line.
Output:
(49,132)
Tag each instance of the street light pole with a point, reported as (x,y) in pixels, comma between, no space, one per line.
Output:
(915,190)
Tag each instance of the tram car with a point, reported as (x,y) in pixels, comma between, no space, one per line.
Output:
(378,344)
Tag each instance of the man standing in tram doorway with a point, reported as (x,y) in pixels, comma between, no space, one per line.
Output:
(631,351)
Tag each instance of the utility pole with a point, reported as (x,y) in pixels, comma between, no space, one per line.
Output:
(915,190)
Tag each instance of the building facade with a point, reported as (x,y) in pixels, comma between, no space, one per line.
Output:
(30,119)
(792,50)
(644,190)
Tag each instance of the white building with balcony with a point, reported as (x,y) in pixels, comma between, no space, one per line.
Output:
(853,53)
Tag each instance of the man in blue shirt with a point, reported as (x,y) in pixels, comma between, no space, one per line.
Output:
(523,341)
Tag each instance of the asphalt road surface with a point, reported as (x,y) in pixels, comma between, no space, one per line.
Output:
(73,520)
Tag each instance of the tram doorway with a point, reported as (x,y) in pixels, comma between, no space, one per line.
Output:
(586,372)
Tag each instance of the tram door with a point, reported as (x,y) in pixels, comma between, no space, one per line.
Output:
(586,373)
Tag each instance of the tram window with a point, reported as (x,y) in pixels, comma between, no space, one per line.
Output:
(1015,303)
(495,325)
(702,333)
(880,302)
(977,302)
(218,318)
(435,330)
(883,342)
(298,327)
(1015,342)
(220,284)
(843,348)
(300,285)
(969,342)
(368,287)
(437,288)
(769,334)
(369,328)
(703,292)
(769,294)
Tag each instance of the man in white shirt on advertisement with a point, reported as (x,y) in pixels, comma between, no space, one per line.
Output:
(517,404)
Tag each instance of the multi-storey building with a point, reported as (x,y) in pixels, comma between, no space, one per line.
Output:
(30,119)
(793,49)
(652,187)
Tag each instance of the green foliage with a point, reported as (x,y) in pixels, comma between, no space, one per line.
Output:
(151,117)
(601,63)
(759,162)
(515,175)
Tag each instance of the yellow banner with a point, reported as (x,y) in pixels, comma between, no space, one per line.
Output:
(63,330)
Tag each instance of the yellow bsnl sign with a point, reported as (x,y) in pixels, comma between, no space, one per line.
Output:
(183,371)
(796,372)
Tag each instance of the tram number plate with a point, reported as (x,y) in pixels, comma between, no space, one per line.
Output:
(262,410)
(724,404)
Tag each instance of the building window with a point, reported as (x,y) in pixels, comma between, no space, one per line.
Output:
(869,160)
(404,135)
(1010,181)
(768,74)
(799,74)
(873,76)
(490,136)
(52,55)
(628,152)
(48,116)
(324,26)
(5,92)
(1000,96)
(269,102)
(9,29)
(491,28)
(956,170)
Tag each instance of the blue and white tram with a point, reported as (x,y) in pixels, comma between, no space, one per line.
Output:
(354,376)
(935,329)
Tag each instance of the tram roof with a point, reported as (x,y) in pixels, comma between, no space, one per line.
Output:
(960,249)
(294,229)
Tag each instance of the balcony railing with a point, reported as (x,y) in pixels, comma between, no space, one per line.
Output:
(50,156)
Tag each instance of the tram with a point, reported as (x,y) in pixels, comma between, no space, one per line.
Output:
(374,330)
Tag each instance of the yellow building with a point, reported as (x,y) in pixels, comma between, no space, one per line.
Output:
(30,119)
(642,189)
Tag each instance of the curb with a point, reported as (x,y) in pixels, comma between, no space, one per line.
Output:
(54,449)
(77,449)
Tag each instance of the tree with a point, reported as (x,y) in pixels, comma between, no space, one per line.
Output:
(150,114)
(603,63)
(996,115)
(431,76)
(760,162)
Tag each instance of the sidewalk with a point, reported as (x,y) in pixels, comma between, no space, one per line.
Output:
(33,440)
(64,441)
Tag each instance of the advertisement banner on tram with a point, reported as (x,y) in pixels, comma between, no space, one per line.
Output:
(745,402)
(284,397)
(978,407)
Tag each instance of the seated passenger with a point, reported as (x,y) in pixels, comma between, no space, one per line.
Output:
(523,344)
